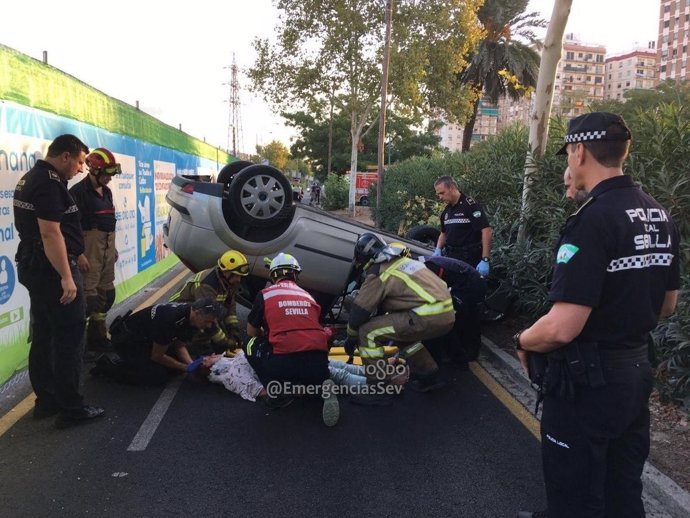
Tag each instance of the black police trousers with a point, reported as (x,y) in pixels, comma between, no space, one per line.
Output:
(462,343)
(595,446)
(57,335)
(137,367)
(302,368)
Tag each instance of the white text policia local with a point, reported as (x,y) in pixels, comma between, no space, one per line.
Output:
(649,216)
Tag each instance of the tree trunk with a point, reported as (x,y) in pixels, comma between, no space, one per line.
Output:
(382,116)
(539,120)
(469,128)
(354,134)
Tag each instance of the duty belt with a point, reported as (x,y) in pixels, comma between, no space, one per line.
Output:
(434,308)
(610,357)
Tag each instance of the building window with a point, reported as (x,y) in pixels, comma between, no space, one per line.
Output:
(667,23)
(570,55)
(579,55)
(663,68)
(597,80)
(600,58)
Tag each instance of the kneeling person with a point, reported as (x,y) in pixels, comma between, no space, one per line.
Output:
(152,343)
(287,343)
(400,301)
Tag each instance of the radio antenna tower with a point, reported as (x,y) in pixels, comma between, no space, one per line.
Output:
(234,115)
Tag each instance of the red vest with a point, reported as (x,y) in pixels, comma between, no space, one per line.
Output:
(292,318)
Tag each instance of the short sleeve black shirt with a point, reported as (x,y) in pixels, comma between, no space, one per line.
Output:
(96,211)
(463,222)
(162,323)
(42,194)
(256,315)
(618,255)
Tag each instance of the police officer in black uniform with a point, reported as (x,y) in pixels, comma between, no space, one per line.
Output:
(467,289)
(465,230)
(50,239)
(616,273)
(152,343)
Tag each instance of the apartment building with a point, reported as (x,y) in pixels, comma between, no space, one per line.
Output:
(485,126)
(633,70)
(672,46)
(579,77)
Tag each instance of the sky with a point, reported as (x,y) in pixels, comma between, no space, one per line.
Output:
(174,57)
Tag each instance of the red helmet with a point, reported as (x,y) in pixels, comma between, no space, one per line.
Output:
(101,161)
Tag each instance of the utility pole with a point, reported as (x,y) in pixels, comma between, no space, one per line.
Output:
(234,112)
(382,115)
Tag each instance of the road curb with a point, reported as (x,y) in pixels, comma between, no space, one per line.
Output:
(674,498)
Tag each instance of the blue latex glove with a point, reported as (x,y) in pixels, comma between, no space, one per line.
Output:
(483,268)
(195,364)
(437,252)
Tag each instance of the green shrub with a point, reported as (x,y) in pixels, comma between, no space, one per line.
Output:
(493,172)
(336,192)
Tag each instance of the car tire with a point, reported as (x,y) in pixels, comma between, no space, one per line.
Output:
(424,234)
(364,201)
(226,174)
(260,196)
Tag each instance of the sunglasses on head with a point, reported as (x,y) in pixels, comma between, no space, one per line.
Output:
(110,170)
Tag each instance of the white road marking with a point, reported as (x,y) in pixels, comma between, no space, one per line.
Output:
(150,425)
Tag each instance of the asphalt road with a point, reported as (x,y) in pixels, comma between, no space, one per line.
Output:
(191,449)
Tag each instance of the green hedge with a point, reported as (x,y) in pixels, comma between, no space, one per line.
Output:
(492,172)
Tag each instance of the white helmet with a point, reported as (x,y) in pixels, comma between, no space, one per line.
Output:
(282,265)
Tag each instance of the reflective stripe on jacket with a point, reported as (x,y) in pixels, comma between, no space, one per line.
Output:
(401,285)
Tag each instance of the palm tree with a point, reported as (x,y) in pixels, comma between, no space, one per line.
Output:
(510,45)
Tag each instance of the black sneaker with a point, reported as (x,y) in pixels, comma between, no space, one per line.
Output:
(532,514)
(85,414)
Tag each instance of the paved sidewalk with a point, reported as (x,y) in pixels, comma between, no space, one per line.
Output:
(663,498)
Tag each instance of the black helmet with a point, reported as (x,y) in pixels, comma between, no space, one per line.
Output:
(367,247)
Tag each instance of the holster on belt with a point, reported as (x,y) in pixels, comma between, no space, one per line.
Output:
(576,364)
(32,257)
(463,252)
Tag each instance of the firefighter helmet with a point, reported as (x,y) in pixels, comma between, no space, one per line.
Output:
(368,246)
(101,161)
(234,262)
(284,265)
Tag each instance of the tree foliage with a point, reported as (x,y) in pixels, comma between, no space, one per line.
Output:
(403,141)
(506,61)
(329,53)
(275,152)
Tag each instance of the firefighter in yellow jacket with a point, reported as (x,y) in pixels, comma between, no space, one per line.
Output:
(222,282)
(401,301)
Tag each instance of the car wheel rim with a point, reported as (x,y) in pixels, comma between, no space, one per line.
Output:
(262,197)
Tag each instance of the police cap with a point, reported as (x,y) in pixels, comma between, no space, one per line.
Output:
(595,126)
